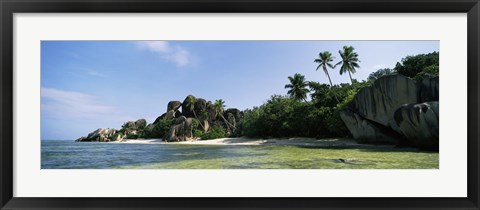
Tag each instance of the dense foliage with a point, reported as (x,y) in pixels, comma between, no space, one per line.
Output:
(282,116)
(158,129)
(416,66)
(215,132)
(380,73)
(197,130)
(298,87)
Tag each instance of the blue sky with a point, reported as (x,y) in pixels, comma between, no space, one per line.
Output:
(86,85)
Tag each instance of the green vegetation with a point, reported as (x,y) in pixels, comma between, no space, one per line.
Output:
(412,66)
(298,87)
(415,66)
(219,107)
(215,132)
(142,123)
(324,60)
(197,130)
(197,133)
(159,129)
(380,73)
(282,116)
(349,61)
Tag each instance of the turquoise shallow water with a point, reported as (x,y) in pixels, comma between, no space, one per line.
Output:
(92,155)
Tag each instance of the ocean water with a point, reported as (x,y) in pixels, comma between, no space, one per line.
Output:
(93,155)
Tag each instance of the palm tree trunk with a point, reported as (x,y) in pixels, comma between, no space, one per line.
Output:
(331,85)
(349,74)
(227,123)
(200,123)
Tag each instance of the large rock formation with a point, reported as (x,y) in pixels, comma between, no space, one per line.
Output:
(367,131)
(428,89)
(172,125)
(235,112)
(379,102)
(384,112)
(129,129)
(135,125)
(169,115)
(134,129)
(419,123)
(102,135)
(181,130)
(204,113)
(200,105)
(173,105)
(188,106)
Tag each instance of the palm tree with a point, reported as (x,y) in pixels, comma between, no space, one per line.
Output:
(219,107)
(349,61)
(324,59)
(190,106)
(298,87)
(125,128)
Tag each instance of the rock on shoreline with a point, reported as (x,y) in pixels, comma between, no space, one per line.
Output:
(396,110)
(173,125)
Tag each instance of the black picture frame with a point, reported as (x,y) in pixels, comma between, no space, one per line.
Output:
(9,7)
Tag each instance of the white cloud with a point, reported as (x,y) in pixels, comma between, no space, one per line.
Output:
(181,57)
(69,104)
(177,54)
(155,46)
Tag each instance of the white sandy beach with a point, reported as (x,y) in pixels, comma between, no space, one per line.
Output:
(335,142)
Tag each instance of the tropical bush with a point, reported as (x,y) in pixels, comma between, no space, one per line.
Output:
(282,116)
(414,66)
(197,133)
(197,130)
(380,73)
(158,129)
(132,136)
(215,132)
(142,123)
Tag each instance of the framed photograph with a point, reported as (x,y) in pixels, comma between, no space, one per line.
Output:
(239,105)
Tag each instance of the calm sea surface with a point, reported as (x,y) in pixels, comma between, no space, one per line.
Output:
(91,155)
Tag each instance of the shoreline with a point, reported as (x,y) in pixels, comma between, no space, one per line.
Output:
(300,141)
